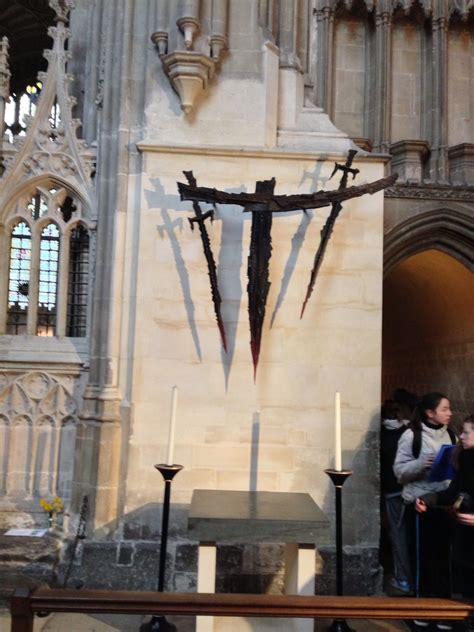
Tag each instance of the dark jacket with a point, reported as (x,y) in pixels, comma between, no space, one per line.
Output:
(462,483)
(388,450)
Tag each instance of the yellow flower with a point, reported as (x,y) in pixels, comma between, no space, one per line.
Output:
(53,506)
(44,504)
(57,504)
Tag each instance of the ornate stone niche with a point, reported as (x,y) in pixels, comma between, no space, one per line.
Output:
(461,164)
(408,159)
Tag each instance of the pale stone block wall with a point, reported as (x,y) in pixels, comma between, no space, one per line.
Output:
(406,81)
(460,75)
(350,66)
(275,433)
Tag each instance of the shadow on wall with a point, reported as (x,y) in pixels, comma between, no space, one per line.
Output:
(230,259)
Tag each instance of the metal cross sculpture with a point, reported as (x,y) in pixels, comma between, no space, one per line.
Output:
(262,204)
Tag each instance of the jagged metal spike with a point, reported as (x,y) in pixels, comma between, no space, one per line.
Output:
(258,271)
(327,229)
(200,219)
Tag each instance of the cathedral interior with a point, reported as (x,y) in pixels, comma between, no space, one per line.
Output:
(104,292)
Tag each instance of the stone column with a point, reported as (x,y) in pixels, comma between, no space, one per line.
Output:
(218,27)
(4,82)
(325,56)
(188,22)
(288,39)
(268,17)
(382,82)
(33,283)
(439,93)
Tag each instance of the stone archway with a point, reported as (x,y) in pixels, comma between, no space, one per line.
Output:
(428,321)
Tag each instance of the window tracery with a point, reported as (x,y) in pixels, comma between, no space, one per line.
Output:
(48,265)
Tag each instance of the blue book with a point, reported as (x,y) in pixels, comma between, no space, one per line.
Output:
(443,466)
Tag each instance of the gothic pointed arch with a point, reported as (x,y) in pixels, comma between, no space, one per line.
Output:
(50,147)
(47,182)
(446,229)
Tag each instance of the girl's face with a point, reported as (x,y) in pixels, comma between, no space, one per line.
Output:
(442,413)
(467,435)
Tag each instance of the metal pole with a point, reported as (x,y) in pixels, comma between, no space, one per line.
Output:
(159,623)
(338,479)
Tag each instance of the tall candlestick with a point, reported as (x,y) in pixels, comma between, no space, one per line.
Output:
(337,434)
(174,404)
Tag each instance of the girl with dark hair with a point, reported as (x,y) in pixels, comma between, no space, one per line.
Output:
(460,497)
(430,534)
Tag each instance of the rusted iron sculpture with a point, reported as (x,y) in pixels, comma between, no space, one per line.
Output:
(281,203)
(200,219)
(262,204)
(327,229)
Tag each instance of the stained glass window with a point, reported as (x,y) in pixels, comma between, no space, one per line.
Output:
(78,282)
(19,278)
(48,280)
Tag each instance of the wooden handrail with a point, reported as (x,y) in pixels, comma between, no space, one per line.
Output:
(24,605)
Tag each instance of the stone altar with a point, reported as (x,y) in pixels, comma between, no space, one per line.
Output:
(250,516)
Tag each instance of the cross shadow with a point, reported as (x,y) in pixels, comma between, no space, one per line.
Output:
(317,182)
(228,274)
(297,242)
(157,198)
(168,227)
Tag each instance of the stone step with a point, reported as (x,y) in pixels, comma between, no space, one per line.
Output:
(27,561)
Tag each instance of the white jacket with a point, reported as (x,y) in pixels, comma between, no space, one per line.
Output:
(411,472)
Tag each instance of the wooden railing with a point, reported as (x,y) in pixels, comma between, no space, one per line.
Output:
(24,605)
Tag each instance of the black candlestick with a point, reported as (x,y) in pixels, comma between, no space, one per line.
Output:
(338,478)
(159,623)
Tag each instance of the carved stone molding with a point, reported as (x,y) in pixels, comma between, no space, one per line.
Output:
(38,416)
(189,73)
(431,192)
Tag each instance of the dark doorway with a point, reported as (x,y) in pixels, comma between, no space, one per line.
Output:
(428,329)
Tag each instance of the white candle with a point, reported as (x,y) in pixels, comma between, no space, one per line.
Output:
(174,404)
(338,444)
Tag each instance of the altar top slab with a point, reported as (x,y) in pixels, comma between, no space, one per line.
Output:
(241,516)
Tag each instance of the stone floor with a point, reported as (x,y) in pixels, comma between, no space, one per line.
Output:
(59,622)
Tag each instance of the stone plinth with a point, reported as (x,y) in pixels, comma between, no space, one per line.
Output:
(409,157)
(461,163)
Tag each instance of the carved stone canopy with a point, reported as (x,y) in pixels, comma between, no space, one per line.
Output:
(189,73)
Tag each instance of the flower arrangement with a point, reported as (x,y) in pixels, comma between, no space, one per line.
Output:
(52,507)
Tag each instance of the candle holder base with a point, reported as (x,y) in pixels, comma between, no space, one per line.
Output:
(168,472)
(338,477)
(158,624)
(340,625)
